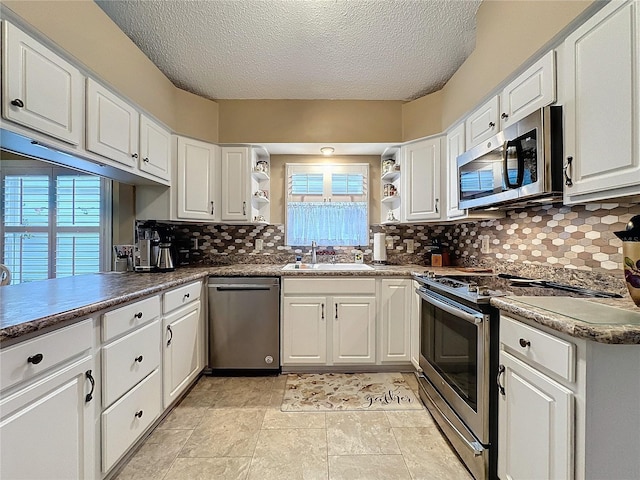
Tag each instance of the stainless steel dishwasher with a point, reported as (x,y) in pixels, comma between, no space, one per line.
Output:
(244,323)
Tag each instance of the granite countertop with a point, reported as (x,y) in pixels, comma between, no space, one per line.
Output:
(31,309)
(618,319)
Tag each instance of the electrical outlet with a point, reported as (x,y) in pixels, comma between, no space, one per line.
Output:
(484,245)
(259,244)
(194,244)
(389,241)
(410,247)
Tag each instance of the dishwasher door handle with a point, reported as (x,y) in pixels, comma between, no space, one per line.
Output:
(240,288)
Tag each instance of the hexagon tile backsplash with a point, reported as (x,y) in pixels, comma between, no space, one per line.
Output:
(574,238)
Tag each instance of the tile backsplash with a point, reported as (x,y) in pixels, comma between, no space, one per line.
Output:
(554,236)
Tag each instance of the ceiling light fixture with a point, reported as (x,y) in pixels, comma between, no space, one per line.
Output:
(327,151)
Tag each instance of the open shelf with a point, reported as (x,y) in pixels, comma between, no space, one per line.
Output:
(260,199)
(390,199)
(259,175)
(390,176)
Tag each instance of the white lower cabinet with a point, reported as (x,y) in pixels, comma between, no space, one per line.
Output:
(328,321)
(569,409)
(536,418)
(396,311)
(181,350)
(354,329)
(47,427)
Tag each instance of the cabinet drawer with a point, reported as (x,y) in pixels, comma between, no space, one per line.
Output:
(181,296)
(129,417)
(538,347)
(123,319)
(128,360)
(328,286)
(45,352)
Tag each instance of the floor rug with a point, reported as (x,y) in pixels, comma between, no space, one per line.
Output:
(353,391)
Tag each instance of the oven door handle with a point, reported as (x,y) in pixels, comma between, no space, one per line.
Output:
(476,318)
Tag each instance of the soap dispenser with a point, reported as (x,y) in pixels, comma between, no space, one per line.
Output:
(359,256)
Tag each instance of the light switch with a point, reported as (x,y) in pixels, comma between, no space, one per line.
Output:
(410,247)
(484,245)
(259,244)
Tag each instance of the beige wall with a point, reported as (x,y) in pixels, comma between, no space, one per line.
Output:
(84,31)
(508,34)
(278,173)
(195,116)
(309,121)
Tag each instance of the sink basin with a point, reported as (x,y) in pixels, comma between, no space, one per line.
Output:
(329,267)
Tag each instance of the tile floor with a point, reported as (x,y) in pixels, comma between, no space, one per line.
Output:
(232,428)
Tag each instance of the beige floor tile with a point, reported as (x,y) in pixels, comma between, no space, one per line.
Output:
(411,380)
(169,437)
(274,418)
(243,398)
(428,456)
(410,419)
(368,467)
(358,433)
(291,454)
(225,433)
(228,468)
(183,418)
(151,462)
(279,382)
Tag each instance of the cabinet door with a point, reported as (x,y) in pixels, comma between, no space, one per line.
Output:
(483,123)
(304,330)
(602,111)
(533,89)
(40,89)
(198,167)
(421,175)
(112,125)
(535,434)
(155,148)
(181,351)
(354,329)
(395,320)
(235,184)
(47,430)
(455,147)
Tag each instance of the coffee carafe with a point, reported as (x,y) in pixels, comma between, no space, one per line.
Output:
(164,262)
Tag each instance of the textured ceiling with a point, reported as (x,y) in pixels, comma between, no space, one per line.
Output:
(302,49)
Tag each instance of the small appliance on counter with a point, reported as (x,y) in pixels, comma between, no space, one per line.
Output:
(153,249)
(631,257)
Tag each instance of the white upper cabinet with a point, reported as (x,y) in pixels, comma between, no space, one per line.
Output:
(483,123)
(531,90)
(455,147)
(112,125)
(198,167)
(601,70)
(155,148)
(40,90)
(236,183)
(421,180)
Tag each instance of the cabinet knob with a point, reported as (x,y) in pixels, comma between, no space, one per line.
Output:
(145,159)
(135,155)
(139,414)
(138,315)
(17,103)
(492,124)
(138,359)
(504,116)
(35,359)
(524,343)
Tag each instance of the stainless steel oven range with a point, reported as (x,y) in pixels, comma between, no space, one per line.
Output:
(459,357)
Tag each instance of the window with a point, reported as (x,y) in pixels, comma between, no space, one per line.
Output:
(327,204)
(52,224)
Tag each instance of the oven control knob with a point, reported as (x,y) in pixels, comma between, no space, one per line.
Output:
(483,290)
(473,288)
(430,274)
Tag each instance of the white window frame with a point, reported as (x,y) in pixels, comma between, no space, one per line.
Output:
(36,167)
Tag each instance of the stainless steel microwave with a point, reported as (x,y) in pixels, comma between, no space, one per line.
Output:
(520,165)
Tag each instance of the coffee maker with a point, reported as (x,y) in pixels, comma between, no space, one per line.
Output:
(147,246)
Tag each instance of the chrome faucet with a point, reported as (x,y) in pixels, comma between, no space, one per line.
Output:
(314,252)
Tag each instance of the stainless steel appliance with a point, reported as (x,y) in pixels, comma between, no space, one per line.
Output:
(244,323)
(459,357)
(521,164)
(164,260)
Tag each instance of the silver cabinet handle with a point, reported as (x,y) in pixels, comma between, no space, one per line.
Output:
(567,179)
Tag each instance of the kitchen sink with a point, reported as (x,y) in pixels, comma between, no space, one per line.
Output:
(329,267)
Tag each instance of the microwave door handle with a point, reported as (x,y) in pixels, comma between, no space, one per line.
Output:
(520,159)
